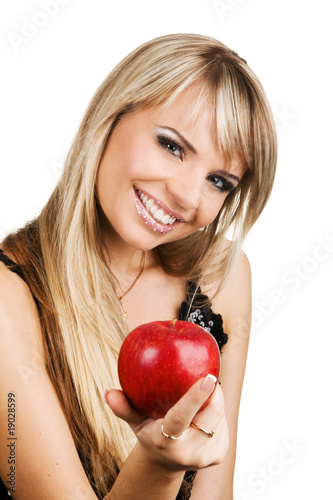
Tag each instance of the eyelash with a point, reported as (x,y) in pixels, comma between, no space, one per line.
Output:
(165,141)
(226,187)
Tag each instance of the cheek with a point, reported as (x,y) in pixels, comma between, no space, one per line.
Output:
(136,163)
(211,210)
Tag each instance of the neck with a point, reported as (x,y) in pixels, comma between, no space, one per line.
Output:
(125,265)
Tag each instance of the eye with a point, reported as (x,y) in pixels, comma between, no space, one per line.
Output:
(220,183)
(171,146)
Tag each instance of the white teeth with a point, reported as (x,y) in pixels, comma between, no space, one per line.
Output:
(166,219)
(159,215)
(154,210)
(143,198)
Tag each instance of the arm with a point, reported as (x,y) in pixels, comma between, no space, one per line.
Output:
(234,303)
(47,463)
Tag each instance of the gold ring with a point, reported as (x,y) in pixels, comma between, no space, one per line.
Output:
(169,436)
(210,434)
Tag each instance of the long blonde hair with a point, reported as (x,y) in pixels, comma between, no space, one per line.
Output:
(61,252)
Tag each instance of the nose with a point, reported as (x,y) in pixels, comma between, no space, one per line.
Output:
(186,191)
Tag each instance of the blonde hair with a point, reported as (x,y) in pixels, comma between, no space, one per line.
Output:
(61,252)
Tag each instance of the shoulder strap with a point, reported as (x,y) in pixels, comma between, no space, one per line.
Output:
(12,266)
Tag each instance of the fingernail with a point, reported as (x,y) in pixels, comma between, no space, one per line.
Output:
(104,394)
(208,384)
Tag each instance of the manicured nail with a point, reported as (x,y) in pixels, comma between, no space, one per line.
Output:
(208,384)
(104,394)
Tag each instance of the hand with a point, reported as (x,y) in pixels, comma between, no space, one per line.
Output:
(195,450)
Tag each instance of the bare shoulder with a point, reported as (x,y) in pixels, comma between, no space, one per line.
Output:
(235,298)
(18,314)
(19,321)
(234,303)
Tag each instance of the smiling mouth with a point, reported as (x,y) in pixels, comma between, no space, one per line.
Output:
(154,214)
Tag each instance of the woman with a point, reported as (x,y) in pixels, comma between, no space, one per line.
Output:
(176,150)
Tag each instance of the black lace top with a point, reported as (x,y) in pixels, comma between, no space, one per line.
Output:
(195,308)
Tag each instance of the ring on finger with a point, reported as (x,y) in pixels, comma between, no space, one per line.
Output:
(210,434)
(169,436)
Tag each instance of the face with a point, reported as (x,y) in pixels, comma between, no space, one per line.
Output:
(161,179)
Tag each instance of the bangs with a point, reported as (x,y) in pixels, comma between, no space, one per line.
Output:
(223,100)
(233,116)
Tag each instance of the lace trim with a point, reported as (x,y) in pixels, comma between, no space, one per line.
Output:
(198,309)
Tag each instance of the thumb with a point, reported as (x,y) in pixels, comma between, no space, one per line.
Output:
(121,407)
(179,417)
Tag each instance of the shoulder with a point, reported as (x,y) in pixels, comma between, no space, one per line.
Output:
(235,298)
(20,328)
(13,289)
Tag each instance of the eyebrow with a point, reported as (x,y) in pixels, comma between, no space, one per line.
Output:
(193,150)
(181,137)
(231,176)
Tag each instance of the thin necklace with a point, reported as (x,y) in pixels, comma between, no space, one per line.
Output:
(120,298)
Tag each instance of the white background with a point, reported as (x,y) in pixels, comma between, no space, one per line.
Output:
(48,77)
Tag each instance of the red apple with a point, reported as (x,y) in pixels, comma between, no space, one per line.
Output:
(159,361)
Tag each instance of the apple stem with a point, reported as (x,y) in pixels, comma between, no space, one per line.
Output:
(173,322)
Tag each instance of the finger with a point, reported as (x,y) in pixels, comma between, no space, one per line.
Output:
(212,415)
(179,417)
(121,407)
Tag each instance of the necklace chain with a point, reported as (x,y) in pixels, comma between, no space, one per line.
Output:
(120,298)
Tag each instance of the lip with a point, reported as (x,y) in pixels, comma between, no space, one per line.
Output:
(162,205)
(149,220)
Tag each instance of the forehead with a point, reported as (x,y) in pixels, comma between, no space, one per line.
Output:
(182,113)
(191,111)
